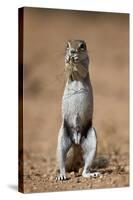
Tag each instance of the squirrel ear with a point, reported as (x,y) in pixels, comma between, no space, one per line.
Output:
(67,44)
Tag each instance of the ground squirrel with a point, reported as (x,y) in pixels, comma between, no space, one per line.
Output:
(77,140)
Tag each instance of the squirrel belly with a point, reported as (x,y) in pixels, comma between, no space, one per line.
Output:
(77,105)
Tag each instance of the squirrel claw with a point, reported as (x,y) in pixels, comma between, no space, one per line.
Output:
(61,178)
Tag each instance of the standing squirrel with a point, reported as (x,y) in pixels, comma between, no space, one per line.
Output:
(77,140)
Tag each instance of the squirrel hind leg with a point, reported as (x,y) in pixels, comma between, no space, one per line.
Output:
(63,146)
(89,146)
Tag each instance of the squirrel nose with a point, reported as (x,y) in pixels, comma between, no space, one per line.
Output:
(72,51)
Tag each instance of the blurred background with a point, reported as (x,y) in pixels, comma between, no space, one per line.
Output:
(107,36)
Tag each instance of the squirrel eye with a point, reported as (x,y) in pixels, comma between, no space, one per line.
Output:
(82,47)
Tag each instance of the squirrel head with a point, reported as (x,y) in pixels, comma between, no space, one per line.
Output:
(76,59)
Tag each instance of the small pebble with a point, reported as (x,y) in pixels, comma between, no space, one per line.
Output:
(72,173)
(126,169)
(101,176)
(44,175)
(51,178)
(34,188)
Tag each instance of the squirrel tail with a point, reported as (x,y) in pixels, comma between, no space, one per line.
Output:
(100,162)
(75,160)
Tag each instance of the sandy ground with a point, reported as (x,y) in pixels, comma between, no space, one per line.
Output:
(45,34)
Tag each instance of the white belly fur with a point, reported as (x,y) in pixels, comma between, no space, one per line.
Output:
(77,99)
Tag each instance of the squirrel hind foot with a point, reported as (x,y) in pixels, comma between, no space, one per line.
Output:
(61,177)
(91,175)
